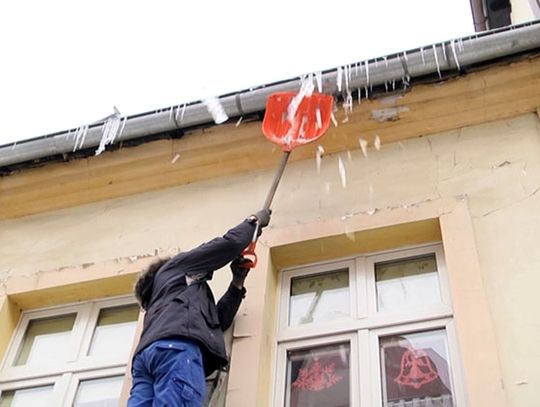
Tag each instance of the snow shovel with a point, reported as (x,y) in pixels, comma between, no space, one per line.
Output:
(290,120)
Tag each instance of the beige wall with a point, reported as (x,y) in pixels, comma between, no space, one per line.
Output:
(524,10)
(494,167)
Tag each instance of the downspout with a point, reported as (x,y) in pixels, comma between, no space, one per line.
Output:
(451,55)
(479,16)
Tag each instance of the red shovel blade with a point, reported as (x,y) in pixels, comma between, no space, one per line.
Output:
(291,121)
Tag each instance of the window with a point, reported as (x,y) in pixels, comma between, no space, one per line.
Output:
(72,355)
(372,330)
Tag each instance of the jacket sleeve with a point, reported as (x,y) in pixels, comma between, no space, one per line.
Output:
(218,252)
(228,305)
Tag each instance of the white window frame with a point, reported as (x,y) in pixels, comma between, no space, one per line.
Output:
(281,379)
(76,378)
(65,376)
(57,381)
(455,371)
(366,324)
(330,326)
(431,311)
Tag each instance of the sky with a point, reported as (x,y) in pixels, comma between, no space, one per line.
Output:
(64,64)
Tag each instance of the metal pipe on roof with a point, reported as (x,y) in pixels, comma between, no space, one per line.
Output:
(436,58)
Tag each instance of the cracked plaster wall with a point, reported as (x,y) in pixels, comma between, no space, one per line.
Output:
(495,166)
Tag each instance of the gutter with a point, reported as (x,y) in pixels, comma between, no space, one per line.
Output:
(452,55)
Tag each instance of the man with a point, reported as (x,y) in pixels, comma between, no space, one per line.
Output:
(182,338)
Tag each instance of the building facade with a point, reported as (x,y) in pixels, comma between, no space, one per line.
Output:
(400,268)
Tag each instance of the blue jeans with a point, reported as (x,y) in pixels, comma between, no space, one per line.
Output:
(168,373)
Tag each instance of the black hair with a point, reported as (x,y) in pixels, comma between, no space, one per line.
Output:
(145,283)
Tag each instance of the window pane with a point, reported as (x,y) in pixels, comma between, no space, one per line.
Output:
(415,368)
(318,377)
(46,340)
(103,392)
(407,282)
(35,397)
(114,332)
(321,297)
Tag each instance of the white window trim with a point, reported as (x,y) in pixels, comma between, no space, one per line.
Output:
(87,315)
(362,282)
(455,367)
(287,277)
(76,378)
(58,382)
(445,307)
(281,367)
(366,324)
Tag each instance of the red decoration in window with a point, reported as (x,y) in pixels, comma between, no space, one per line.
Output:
(317,377)
(417,369)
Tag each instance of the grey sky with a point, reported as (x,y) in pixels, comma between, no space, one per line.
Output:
(66,63)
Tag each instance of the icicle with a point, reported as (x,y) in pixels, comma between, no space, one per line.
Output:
(122,127)
(306,89)
(239,121)
(80,137)
(310,86)
(83,138)
(175,158)
(110,131)
(318,158)
(359,96)
(423,55)
(386,86)
(318,117)
(339,78)
(377,142)
(437,60)
(183,112)
(333,119)
(349,155)
(405,56)
(393,84)
(76,136)
(214,107)
(385,59)
(367,73)
(170,113)
(363,145)
(356,69)
(444,52)
(346,74)
(453,46)
(348,104)
(461,45)
(367,94)
(318,77)
(376,63)
(302,135)
(342,174)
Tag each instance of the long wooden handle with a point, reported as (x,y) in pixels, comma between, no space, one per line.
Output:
(277,177)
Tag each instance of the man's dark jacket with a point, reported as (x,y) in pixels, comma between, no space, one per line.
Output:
(189,311)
